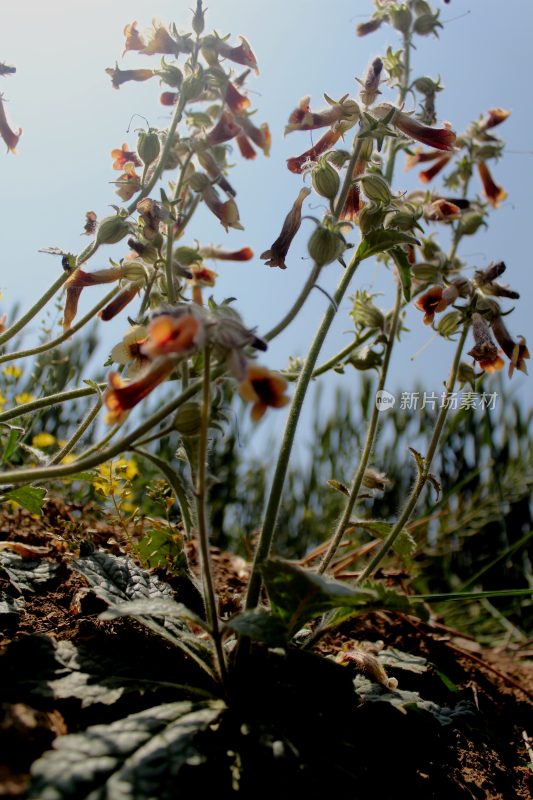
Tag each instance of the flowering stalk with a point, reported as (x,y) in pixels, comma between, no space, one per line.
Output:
(272,509)
(201,510)
(357,480)
(423,475)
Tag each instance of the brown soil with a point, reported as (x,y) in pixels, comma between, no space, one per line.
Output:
(487,759)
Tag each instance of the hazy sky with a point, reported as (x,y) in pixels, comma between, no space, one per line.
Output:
(72,118)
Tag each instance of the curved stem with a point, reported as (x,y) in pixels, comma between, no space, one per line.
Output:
(201,510)
(271,513)
(78,433)
(334,360)
(369,441)
(145,191)
(50,400)
(99,454)
(295,308)
(409,507)
(34,310)
(42,348)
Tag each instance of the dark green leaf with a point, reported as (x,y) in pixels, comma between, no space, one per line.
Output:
(379,241)
(298,595)
(29,497)
(135,758)
(260,626)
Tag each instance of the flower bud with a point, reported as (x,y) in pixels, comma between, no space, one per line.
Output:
(376,188)
(325,178)
(193,86)
(134,271)
(401,220)
(421,7)
(425,272)
(401,19)
(187,256)
(449,323)
(188,419)
(112,230)
(365,314)
(325,245)
(426,24)
(370,218)
(466,374)
(470,223)
(148,146)
(365,359)
(199,182)
(338,158)
(198,20)
(367,148)
(170,75)
(426,85)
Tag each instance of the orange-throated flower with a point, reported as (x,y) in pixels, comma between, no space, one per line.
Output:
(439,138)
(120,301)
(129,183)
(161,42)
(75,284)
(485,351)
(226,212)
(225,129)
(495,194)
(435,300)
(120,396)
(494,117)
(441,210)
(303,119)
(201,276)
(296,164)
(260,136)
(120,76)
(122,156)
(244,254)
(370,84)
(278,251)
(128,351)
(427,175)
(235,100)
(516,352)
(263,388)
(178,332)
(134,40)
(243,54)
(8,135)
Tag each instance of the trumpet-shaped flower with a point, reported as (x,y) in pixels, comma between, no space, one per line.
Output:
(495,194)
(120,396)
(123,156)
(179,332)
(8,135)
(263,388)
(296,164)
(278,251)
(484,351)
(516,352)
(438,138)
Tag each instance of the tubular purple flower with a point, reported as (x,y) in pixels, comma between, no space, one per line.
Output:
(278,251)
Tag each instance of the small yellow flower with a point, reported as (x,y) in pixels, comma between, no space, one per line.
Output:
(12,371)
(3,400)
(126,469)
(24,397)
(68,459)
(43,440)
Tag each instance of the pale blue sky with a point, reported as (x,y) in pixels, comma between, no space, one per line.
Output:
(72,118)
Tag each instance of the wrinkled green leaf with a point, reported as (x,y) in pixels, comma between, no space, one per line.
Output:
(381,240)
(406,702)
(260,626)
(405,661)
(10,608)
(29,497)
(158,607)
(136,758)
(118,580)
(298,595)
(27,574)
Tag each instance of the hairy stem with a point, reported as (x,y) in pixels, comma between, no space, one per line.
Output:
(359,475)
(201,510)
(422,478)
(34,310)
(42,348)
